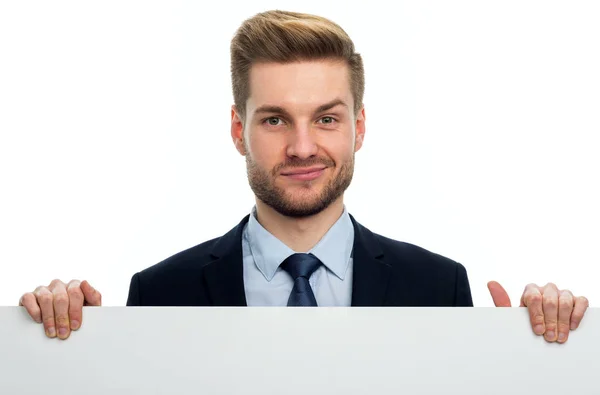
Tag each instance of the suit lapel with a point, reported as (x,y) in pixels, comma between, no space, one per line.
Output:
(225,275)
(371,274)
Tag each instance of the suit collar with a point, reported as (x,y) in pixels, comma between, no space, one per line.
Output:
(371,275)
(224,276)
(333,250)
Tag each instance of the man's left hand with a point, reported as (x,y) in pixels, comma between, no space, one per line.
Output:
(552,312)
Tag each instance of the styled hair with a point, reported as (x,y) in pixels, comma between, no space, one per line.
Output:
(285,37)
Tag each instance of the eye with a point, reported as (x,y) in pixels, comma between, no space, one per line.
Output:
(273,121)
(328,120)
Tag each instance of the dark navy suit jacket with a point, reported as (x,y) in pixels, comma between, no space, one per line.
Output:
(386,273)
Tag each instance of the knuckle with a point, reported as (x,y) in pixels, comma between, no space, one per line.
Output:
(75,294)
(28,298)
(61,300)
(75,313)
(44,298)
(531,288)
(565,304)
(55,282)
(537,319)
(550,303)
(535,298)
(62,321)
(584,300)
(41,291)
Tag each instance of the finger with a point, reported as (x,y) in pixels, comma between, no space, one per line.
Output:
(61,309)
(75,304)
(565,308)
(550,306)
(499,295)
(92,296)
(30,303)
(581,305)
(45,301)
(532,299)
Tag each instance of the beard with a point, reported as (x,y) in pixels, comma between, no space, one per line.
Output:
(306,204)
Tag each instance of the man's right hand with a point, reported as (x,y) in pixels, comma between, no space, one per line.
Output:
(59,306)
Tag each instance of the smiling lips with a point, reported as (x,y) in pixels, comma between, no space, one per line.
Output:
(304,174)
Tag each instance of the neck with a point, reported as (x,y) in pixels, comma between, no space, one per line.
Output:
(300,234)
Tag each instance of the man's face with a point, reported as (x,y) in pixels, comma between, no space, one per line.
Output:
(300,135)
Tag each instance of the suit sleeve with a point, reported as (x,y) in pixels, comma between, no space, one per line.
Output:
(462,297)
(134,291)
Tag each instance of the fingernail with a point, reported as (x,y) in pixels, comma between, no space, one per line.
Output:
(573,325)
(538,329)
(62,332)
(74,324)
(550,335)
(51,332)
(561,337)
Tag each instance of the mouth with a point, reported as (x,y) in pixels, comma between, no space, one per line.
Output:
(304,174)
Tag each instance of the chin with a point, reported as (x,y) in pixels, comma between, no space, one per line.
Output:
(300,210)
(305,195)
(305,205)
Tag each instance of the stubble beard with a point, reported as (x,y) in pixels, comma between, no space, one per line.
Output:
(263,185)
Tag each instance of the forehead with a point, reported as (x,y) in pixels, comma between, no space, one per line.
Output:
(305,84)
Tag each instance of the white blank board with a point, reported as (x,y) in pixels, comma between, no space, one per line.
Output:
(148,350)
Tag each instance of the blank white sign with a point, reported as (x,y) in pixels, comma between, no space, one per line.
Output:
(378,351)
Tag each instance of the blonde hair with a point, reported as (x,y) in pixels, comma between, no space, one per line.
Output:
(283,37)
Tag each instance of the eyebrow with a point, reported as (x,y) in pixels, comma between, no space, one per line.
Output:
(281,110)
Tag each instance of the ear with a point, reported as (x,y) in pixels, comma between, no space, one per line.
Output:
(237,131)
(360,129)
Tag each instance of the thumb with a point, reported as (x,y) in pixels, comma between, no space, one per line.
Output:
(499,295)
(92,296)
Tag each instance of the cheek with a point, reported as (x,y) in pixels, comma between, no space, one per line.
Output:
(340,149)
(264,151)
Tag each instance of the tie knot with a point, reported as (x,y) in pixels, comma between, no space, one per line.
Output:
(301,265)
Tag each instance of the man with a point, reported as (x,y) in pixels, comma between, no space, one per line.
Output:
(298,119)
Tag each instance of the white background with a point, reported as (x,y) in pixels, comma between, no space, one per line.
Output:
(481,145)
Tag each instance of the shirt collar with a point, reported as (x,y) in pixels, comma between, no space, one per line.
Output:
(333,250)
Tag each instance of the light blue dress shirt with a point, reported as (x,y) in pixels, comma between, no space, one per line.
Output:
(266,284)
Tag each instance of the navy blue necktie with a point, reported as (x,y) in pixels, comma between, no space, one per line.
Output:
(301,267)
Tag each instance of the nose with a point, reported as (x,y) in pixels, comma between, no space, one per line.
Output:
(302,142)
